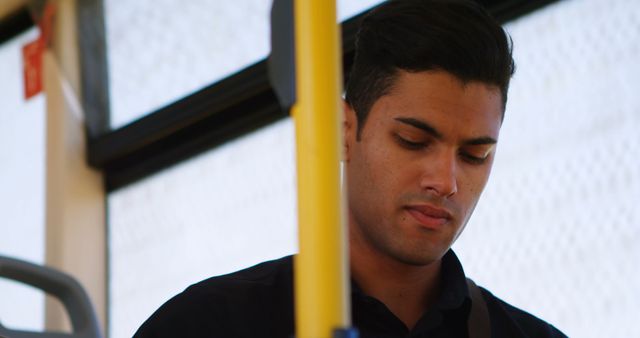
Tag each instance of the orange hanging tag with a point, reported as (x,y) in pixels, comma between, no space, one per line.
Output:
(32,58)
(32,54)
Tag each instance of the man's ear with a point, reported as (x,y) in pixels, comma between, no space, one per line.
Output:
(349,127)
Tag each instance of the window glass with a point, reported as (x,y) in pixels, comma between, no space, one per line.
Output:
(558,227)
(22,154)
(161,51)
(224,210)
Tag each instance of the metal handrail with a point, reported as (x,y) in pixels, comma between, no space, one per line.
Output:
(60,285)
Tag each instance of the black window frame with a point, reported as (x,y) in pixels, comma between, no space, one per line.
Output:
(14,24)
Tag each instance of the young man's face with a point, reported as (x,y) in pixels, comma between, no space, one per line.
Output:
(423,158)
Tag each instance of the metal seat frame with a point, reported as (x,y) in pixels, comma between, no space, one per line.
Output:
(60,285)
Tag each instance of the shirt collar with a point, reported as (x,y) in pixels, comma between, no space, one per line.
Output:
(454,291)
(454,284)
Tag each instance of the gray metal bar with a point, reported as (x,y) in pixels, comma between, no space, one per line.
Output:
(60,285)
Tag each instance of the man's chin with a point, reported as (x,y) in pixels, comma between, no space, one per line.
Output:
(419,259)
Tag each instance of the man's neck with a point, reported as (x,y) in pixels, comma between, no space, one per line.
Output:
(407,290)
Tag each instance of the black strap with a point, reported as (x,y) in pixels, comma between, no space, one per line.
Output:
(478,323)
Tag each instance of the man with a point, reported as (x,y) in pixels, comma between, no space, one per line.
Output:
(424,105)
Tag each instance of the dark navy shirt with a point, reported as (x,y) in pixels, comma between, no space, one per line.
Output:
(258,303)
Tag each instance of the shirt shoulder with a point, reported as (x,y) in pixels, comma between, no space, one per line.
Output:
(222,306)
(510,321)
(264,275)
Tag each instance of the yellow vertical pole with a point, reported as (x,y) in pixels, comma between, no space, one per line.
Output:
(321,286)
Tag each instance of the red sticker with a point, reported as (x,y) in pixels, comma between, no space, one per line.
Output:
(32,58)
(32,53)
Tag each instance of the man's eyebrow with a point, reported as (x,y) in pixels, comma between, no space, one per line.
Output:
(424,126)
(480,141)
(420,125)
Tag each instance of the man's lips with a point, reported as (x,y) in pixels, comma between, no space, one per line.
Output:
(428,216)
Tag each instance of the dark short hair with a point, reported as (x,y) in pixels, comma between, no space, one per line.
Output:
(455,36)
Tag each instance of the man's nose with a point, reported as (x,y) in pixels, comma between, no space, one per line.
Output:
(439,174)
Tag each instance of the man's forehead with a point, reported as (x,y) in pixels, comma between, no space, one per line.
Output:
(442,101)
